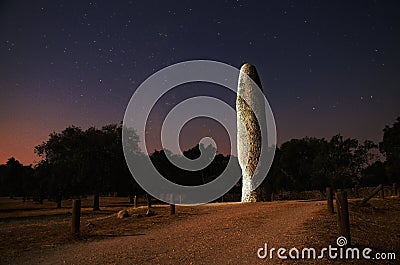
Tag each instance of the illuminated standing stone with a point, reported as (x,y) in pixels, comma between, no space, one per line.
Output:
(248,105)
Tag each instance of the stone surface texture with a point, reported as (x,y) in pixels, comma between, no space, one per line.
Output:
(248,129)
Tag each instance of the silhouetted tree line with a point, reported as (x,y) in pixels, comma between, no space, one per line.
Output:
(80,162)
(190,178)
(16,179)
(314,164)
(74,162)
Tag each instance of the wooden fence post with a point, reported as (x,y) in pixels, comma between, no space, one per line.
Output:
(172,207)
(356,191)
(343,215)
(58,200)
(329,199)
(135,201)
(96,201)
(148,197)
(76,216)
(382,193)
(372,194)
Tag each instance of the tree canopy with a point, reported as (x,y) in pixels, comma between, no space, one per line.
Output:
(77,161)
(311,163)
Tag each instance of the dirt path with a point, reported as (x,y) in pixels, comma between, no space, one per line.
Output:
(220,234)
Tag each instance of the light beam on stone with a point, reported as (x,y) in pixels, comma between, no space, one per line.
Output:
(248,107)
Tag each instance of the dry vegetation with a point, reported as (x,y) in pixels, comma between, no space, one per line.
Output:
(374,225)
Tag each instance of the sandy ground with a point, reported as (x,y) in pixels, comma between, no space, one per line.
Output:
(224,233)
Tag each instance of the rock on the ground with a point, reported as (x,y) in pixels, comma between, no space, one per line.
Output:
(122,214)
(150,212)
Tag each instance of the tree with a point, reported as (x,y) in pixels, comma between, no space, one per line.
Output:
(311,163)
(375,174)
(390,148)
(295,163)
(362,158)
(64,161)
(215,166)
(91,161)
(15,178)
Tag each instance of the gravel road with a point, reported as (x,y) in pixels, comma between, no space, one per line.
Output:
(223,233)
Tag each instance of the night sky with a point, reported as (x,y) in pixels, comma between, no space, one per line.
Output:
(326,67)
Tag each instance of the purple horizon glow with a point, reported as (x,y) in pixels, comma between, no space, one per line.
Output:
(325,68)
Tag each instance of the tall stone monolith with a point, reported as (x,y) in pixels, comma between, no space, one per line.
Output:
(249,106)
